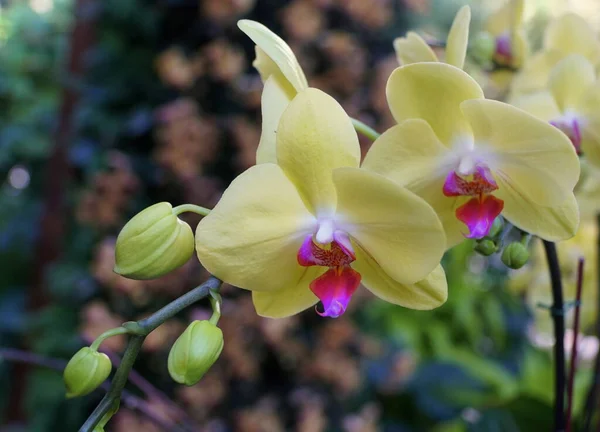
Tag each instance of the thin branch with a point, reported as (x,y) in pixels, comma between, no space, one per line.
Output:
(130,401)
(591,403)
(574,347)
(139,331)
(365,130)
(558,316)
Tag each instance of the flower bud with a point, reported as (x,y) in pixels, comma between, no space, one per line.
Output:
(153,243)
(86,370)
(194,352)
(515,255)
(486,247)
(497,226)
(483,47)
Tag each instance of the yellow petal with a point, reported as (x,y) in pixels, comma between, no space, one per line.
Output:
(315,136)
(276,96)
(291,300)
(277,52)
(251,238)
(571,34)
(535,73)
(506,18)
(458,38)
(399,230)
(411,155)
(535,158)
(590,143)
(413,49)
(433,92)
(590,124)
(520,48)
(570,79)
(550,223)
(539,104)
(426,294)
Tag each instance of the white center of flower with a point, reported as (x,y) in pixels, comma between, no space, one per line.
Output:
(325,231)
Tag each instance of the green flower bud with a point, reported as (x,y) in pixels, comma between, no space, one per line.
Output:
(496,227)
(515,255)
(86,370)
(153,243)
(194,352)
(483,47)
(486,247)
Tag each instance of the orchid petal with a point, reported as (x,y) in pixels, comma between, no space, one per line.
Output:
(425,294)
(458,38)
(479,214)
(539,104)
(571,34)
(276,96)
(537,159)
(277,53)
(411,155)
(315,136)
(251,238)
(432,92)
(335,288)
(506,18)
(550,223)
(535,73)
(293,299)
(399,230)
(570,79)
(413,49)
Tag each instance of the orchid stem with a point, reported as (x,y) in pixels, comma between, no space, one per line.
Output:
(202,211)
(365,130)
(558,317)
(139,330)
(574,347)
(109,333)
(591,403)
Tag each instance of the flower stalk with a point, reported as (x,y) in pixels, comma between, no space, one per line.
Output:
(558,317)
(365,130)
(110,402)
(574,347)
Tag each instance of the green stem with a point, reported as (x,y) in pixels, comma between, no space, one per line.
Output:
(140,330)
(215,302)
(108,333)
(367,131)
(190,208)
(525,239)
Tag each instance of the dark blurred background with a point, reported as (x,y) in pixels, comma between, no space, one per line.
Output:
(108,106)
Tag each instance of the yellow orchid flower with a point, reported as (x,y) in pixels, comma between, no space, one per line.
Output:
(565,35)
(414,49)
(282,76)
(570,103)
(472,158)
(314,226)
(505,26)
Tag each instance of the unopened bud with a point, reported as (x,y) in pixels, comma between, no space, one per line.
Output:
(486,247)
(86,370)
(194,352)
(153,243)
(483,47)
(497,226)
(515,255)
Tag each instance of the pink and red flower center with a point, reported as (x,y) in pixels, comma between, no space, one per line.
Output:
(571,128)
(334,287)
(480,211)
(503,54)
